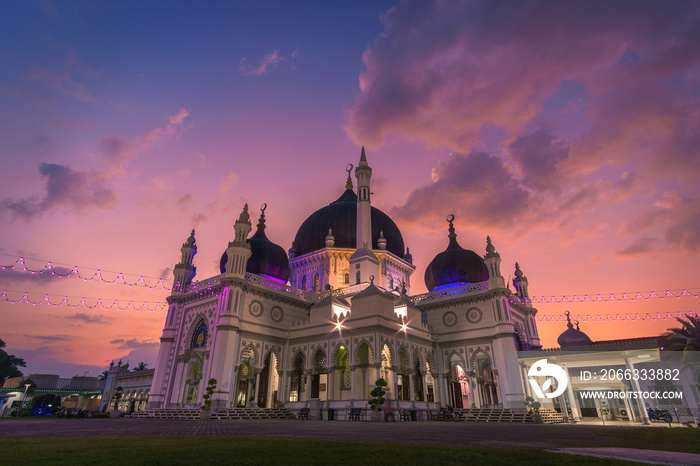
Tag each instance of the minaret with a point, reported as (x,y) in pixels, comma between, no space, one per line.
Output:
(184,271)
(363,263)
(492,259)
(363,173)
(520,283)
(238,251)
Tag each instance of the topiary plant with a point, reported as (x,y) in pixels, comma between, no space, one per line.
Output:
(118,393)
(533,406)
(378,393)
(207,396)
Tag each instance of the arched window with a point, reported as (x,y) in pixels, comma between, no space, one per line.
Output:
(357,277)
(346,280)
(303,283)
(199,337)
(316,282)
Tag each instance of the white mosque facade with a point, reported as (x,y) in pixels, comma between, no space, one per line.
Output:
(324,321)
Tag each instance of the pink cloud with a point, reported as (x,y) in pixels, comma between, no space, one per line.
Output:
(62,83)
(119,150)
(268,63)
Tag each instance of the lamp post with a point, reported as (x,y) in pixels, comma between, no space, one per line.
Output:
(24,402)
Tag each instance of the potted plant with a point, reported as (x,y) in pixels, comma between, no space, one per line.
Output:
(604,410)
(533,409)
(118,393)
(205,414)
(377,400)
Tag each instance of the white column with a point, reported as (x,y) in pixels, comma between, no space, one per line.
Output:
(575,411)
(640,402)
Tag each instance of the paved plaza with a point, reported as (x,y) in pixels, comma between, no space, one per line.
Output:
(589,439)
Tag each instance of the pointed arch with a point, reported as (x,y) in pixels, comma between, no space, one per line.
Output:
(454,358)
(274,351)
(198,330)
(359,349)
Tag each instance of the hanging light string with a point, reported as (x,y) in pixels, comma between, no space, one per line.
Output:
(617,317)
(21,266)
(608,297)
(76,302)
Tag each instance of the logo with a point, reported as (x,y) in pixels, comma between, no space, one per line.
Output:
(543,369)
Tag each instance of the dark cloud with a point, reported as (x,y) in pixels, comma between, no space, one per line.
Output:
(477,186)
(18,275)
(537,155)
(134,344)
(640,246)
(87,318)
(65,187)
(49,337)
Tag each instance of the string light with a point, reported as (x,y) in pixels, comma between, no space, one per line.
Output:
(70,301)
(21,266)
(617,317)
(611,297)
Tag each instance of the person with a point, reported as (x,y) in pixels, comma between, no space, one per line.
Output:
(389,412)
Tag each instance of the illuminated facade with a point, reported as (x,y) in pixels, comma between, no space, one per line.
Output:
(319,324)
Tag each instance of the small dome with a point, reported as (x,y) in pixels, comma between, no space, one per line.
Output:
(341,216)
(455,266)
(266,259)
(573,336)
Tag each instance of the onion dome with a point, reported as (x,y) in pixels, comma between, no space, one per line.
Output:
(341,215)
(381,242)
(490,249)
(267,258)
(408,257)
(573,336)
(455,266)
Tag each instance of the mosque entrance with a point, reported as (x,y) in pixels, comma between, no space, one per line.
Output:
(264,382)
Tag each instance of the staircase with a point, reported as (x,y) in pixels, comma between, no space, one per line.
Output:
(493,415)
(254,413)
(228,414)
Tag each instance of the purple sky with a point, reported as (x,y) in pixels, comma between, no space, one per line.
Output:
(567,131)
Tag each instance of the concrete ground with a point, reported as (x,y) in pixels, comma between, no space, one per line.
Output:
(592,440)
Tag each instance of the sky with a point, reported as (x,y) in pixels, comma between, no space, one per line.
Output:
(566,131)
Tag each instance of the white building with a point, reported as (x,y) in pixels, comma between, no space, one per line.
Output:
(324,321)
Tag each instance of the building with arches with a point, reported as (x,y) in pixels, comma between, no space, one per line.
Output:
(326,319)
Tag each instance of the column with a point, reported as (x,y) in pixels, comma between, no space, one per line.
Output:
(640,402)
(575,411)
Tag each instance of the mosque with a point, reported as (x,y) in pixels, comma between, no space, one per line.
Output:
(322,322)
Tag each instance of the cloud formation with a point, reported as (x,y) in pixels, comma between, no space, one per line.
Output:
(584,100)
(268,63)
(73,189)
(134,344)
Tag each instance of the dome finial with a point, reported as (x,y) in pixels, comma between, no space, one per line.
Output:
(261,222)
(518,272)
(452,235)
(568,320)
(371,279)
(381,242)
(348,183)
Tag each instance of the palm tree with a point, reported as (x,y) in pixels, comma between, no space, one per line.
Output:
(140,366)
(687,337)
(103,376)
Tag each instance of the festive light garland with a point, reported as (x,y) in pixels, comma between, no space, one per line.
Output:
(64,301)
(20,266)
(616,317)
(599,297)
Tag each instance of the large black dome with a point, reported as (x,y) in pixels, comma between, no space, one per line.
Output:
(341,216)
(455,266)
(267,258)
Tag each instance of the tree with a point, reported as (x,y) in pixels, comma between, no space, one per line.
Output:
(103,376)
(687,337)
(140,366)
(9,365)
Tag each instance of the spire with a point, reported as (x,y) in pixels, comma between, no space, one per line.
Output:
(348,183)
(518,272)
(568,320)
(190,240)
(490,249)
(363,157)
(408,257)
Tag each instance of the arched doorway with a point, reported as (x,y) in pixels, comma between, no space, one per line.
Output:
(361,375)
(319,377)
(418,374)
(402,378)
(296,384)
(191,385)
(460,396)
(341,375)
(488,385)
(267,391)
(244,378)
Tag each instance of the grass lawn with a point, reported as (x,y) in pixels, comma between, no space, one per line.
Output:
(252,450)
(682,439)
